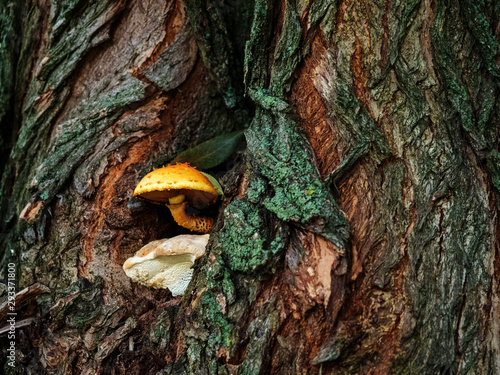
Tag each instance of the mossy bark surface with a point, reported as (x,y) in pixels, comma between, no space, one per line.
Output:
(359,229)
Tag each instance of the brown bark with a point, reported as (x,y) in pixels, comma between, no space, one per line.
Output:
(359,229)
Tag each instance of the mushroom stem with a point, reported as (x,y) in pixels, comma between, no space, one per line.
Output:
(200,224)
(177,199)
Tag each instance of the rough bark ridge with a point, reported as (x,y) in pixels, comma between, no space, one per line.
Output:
(359,231)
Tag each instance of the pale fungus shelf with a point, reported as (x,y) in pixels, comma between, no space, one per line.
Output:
(178,186)
(166,263)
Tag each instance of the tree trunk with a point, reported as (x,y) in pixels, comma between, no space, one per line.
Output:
(359,229)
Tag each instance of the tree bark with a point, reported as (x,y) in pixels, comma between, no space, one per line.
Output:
(359,230)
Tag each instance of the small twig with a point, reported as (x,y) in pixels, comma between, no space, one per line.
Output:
(20,324)
(23,296)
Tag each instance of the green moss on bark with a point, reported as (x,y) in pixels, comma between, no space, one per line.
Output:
(245,240)
(282,155)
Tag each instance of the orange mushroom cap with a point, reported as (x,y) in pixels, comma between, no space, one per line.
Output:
(164,183)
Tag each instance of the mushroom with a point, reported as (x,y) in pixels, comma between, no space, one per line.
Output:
(166,263)
(178,186)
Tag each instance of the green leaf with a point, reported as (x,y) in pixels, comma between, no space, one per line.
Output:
(214,182)
(213,152)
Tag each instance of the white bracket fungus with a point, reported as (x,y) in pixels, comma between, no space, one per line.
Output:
(167,263)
